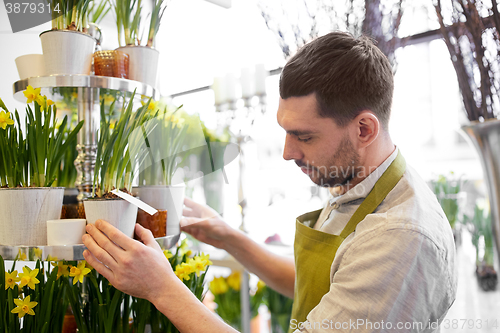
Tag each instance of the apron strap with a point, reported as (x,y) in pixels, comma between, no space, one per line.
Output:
(384,185)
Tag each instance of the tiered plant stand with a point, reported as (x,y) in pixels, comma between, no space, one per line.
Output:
(88,89)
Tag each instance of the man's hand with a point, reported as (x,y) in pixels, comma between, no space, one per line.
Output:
(126,262)
(205,224)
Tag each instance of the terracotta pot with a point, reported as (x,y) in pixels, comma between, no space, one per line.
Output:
(73,211)
(169,198)
(157,223)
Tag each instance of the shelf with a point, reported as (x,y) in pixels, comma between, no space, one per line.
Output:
(65,252)
(83,81)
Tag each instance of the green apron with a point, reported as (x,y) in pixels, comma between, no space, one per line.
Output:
(315,250)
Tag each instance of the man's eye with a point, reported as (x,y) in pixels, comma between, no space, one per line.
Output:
(304,139)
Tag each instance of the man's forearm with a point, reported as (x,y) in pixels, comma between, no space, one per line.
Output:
(278,272)
(185,311)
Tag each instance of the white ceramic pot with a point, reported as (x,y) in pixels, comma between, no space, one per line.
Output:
(65,231)
(142,63)
(30,65)
(118,212)
(25,212)
(67,52)
(164,197)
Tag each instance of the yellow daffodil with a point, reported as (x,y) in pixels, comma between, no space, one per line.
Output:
(88,265)
(79,272)
(260,285)
(49,102)
(218,285)
(38,253)
(183,248)
(62,269)
(153,106)
(167,254)
(234,280)
(205,258)
(24,306)
(183,271)
(108,99)
(11,279)
(41,100)
(51,258)
(5,119)
(21,256)
(28,278)
(199,263)
(31,94)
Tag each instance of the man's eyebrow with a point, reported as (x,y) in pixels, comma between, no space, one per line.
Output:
(299,132)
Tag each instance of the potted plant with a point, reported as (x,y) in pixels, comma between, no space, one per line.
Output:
(450,197)
(67,48)
(143,60)
(117,156)
(29,163)
(470,30)
(212,164)
(31,300)
(482,239)
(165,152)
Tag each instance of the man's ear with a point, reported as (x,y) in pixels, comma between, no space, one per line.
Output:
(367,128)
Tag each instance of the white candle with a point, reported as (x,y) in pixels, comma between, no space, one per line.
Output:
(260,79)
(231,84)
(246,81)
(219,88)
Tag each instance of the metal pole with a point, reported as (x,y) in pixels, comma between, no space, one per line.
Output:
(89,111)
(245,302)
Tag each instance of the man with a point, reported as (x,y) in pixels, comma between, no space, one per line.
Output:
(379,256)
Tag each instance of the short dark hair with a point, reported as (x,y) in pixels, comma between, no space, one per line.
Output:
(347,74)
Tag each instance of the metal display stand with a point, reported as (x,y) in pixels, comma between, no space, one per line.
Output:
(88,90)
(88,87)
(65,252)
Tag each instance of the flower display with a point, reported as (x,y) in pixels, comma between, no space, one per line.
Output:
(32,152)
(32,289)
(227,296)
(41,296)
(24,306)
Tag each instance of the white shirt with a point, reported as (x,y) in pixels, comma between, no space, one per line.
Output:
(396,272)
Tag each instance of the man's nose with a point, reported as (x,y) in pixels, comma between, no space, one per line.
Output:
(291,151)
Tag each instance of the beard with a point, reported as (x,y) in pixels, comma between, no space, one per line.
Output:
(340,168)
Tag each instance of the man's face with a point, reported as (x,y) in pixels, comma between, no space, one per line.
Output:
(323,150)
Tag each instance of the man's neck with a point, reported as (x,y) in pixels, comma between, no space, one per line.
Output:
(375,156)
